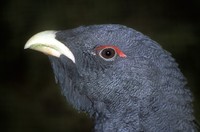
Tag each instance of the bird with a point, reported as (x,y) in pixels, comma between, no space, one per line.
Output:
(122,79)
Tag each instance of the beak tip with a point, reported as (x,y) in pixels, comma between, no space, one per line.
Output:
(26,46)
(41,37)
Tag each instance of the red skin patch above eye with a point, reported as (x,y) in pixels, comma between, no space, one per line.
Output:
(119,52)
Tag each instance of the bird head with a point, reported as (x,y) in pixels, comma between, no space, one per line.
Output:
(115,72)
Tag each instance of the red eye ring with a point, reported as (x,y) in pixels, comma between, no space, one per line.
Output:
(109,52)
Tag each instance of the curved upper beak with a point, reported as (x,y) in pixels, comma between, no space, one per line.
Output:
(47,43)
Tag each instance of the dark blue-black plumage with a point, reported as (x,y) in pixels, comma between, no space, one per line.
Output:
(144,91)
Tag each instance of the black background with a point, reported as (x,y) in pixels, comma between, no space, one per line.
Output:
(30,100)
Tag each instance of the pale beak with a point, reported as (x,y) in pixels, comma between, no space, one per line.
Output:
(47,43)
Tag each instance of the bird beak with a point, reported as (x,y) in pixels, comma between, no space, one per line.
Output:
(47,43)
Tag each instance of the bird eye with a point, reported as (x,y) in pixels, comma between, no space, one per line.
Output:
(108,53)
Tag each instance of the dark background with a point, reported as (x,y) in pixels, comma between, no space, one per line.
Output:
(30,100)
